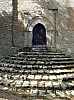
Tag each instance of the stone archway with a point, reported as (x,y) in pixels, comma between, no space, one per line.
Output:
(39,36)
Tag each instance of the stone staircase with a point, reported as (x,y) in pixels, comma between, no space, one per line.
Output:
(41,75)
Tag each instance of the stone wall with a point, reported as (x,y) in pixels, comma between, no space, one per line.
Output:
(65,36)
(5,33)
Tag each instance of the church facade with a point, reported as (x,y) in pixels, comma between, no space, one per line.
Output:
(46,23)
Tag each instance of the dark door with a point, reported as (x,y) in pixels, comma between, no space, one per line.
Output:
(39,35)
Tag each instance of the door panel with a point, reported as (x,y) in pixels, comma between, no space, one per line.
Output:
(39,35)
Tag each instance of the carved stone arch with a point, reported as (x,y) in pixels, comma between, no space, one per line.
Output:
(35,20)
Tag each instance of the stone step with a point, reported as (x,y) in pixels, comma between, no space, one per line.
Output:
(40,53)
(38,70)
(38,77)
(37,62)
(40,85)
(4,64)
(39,59)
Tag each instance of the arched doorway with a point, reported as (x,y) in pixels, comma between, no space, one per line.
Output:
(39,36)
